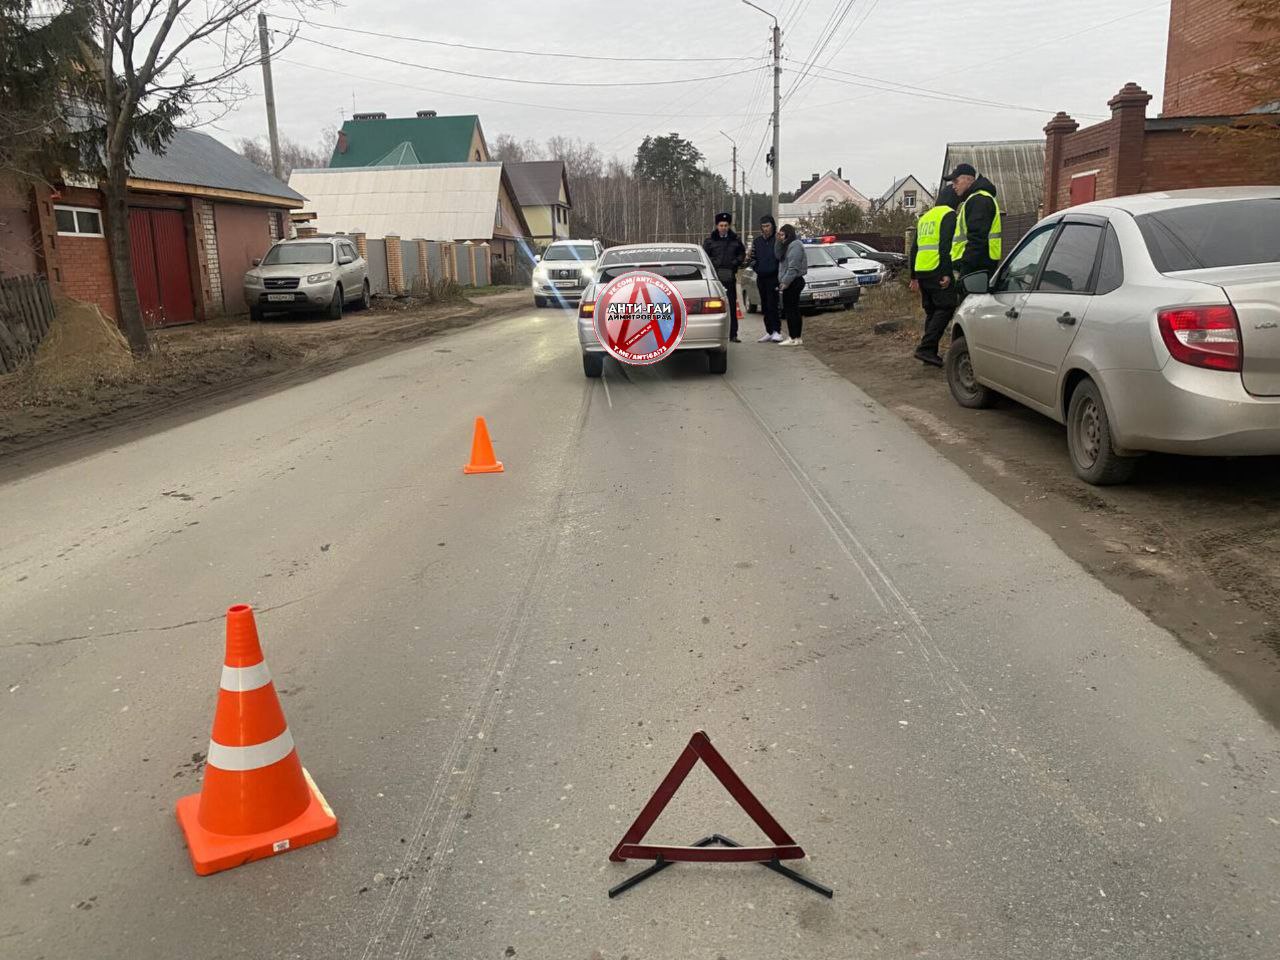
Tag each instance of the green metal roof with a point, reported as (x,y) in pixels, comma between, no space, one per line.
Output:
(418,140)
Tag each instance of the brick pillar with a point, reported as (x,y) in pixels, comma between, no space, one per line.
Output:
(424,264)
(395,265)
(1056,133)
(362,243)
(1128,128)
(304,232)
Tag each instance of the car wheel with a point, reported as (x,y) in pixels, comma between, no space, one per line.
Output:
(961,379)
(1093,457)
(539,302)
(363,302)
(593,364)
(746,298)
(335,305)
(256,315)
(718,361)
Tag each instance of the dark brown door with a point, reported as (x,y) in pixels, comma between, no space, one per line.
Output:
(161,269)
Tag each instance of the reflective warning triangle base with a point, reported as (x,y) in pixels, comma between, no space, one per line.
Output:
(715,848)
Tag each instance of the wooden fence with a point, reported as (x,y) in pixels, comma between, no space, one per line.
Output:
(26,310)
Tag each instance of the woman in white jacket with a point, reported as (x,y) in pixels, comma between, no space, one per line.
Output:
(791,281)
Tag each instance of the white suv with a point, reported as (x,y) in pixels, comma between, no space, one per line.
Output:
(563,272)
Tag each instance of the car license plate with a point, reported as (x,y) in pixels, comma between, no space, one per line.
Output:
(280,297)
(872,278)
(566,283)
(825,295)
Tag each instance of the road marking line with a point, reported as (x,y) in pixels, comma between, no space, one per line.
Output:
(606,390)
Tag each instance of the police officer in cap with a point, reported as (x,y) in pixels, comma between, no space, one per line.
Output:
(726,252)
(931,272)
(977,241)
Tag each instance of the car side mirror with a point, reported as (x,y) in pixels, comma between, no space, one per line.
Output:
(257,261)
(537,258)
(979,282)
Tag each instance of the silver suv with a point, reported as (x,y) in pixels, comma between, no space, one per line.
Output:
(564,270)
(298,276)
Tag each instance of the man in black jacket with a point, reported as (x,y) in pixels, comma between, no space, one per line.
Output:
(977,243)
(931,272)
(726,253)
(764,261)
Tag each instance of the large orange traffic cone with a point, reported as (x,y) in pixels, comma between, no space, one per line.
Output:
(256,800)
(482,458)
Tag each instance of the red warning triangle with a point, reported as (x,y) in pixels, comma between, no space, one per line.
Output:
(700,748)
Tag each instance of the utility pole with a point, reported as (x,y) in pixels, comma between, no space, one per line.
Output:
(271,97)
(733,180)
(777,95)
(746,216)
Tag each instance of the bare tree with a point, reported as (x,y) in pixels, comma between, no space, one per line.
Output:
(145,85)
(293,155)
(510,150)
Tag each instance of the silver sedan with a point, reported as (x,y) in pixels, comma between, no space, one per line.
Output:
(1143,323)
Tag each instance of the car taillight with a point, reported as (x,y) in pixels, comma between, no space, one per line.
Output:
(586,309)
(1202,336)
(712,305)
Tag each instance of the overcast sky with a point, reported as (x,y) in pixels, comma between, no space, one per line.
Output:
(1014,54)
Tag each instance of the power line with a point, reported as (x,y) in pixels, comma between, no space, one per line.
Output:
(843,43)
(511,103)
(536,83)
(504,50)
(906,89)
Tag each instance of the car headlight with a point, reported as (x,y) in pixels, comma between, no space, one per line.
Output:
(539,272)
(319,277)
(252,280)
(587,273)
(849,282)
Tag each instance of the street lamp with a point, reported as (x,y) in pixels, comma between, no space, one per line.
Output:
(777,93)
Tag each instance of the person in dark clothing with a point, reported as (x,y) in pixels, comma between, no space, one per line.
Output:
(795,265)
(977,243)
(764,261)
(726,253)
(931,272)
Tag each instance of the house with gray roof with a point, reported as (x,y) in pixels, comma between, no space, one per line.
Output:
(542,190)
(199,215)
(905,193)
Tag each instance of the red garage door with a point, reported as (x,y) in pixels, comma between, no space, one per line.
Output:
(161,270)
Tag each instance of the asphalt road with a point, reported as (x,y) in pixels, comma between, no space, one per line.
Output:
(986,753)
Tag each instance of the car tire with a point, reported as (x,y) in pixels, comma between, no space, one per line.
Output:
(746,298)
(335,305)
(966,389)
(256,315)
(1093,456)
(539,302)
(593,364)
(364,301)
(718,361)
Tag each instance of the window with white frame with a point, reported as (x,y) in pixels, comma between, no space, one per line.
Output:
(78,221)
(909,200)
(498,219)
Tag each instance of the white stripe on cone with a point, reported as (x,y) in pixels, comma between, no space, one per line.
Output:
(239,759)
(244,679)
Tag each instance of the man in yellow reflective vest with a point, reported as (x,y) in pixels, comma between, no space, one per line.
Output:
(931,273)
(977,243)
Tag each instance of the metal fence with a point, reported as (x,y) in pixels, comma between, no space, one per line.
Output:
(26,310)
(466,266)
(376,255)
(414,281)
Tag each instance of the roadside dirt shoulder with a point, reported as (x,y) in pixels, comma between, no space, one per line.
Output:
(56,410)
(1192,542)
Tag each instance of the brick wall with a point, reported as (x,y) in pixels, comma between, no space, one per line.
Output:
(78,267)
(1205,36)
(206,232)
(1178,159)
(1082,151)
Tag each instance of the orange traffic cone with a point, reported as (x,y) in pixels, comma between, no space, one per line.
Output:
(738,312)
(482,459)
(256,799)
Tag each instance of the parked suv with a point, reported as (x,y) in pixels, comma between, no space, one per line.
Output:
(564,270)
(300,276)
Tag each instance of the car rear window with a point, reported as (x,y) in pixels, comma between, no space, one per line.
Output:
(672,271)
(284,253)
(571,252)
(648,255)
(1226,234)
